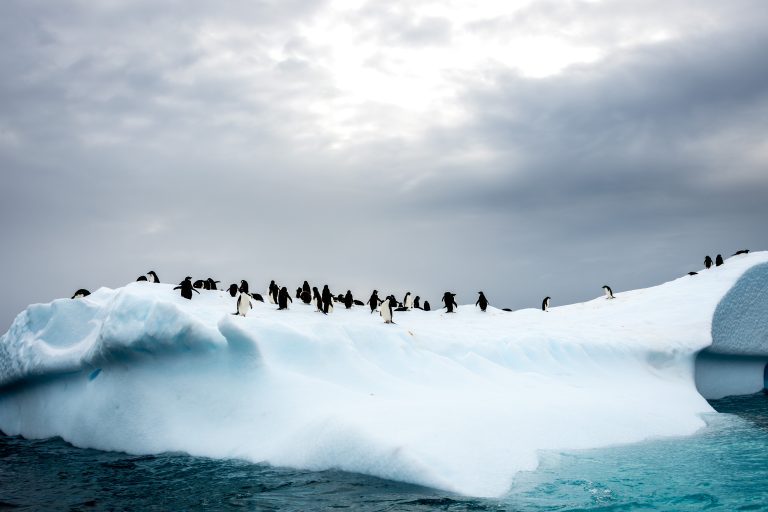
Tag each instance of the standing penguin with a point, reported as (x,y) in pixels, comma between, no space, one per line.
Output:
(153,277)
(386,311)
(306,293)
(545,304)
(608,292)
(408,300)
(707,262)
(348,300)
(243,304)
(481,301)
(283,298)
(426,306)
(327,297)
(211,284)
(718,260)
(298,293)
(79,294)
(186,288)
(233,290)
(449,301)
(273,292)
(317,299)
(374,301)
(416,302)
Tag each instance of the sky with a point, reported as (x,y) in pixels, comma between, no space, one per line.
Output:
(522,148)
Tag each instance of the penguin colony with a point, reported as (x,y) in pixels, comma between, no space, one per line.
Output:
(323,301)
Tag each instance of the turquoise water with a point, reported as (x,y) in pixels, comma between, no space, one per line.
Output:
(723,467)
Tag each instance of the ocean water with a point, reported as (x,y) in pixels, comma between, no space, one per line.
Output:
(723,467)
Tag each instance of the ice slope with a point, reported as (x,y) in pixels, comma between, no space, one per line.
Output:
(460,402)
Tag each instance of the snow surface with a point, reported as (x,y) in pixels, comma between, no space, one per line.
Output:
(458,401)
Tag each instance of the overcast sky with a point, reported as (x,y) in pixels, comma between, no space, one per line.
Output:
(516,147)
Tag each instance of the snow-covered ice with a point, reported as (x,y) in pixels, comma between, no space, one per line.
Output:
(460,402)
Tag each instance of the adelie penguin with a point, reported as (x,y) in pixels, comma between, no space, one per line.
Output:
(416,303)
(243,304)
(450,302)
(426,306)
(233,290)
(210,284)
(482,302)
(718,260)
(141,278)
(742,251)
(348,300)
(243,286)
(386,311)
(707,262)
(408,300)
(298,293)
(273,292)
(186,288)
(257,296)
(374,301)
(283,298)
(79,294)
(327,297)
(306,293)
(608,292)
(152,277)
(317,299)
(198,284)
(545,304)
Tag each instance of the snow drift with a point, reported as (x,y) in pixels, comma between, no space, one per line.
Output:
(460,402)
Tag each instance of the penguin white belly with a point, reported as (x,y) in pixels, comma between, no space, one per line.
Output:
(385,312)
(243,304)
(409,302)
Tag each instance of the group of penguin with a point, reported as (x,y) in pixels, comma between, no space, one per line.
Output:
(324,300)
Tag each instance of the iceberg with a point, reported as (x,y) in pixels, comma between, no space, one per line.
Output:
(460,402)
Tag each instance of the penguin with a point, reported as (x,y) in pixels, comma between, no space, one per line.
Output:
(707,262)
(608,292)
(306,293)
(507,309)
(718,260)
(742,251)
(283,298)
(152,277)
(348,300)
(243,286)
(273,292)
(386,311)
(408,300)
(211,284)
(257,296)
(482,302)
(374,301)
(401,308)
(358,302)
(327,297)
(243,304)
(198,284)
(233,290)
(339,298)
(416,302)
(141,278)
(298,293)
(426,306)
(693,273)
(79,294)
(186,288)
(545,304)
(317,299)
(449,301)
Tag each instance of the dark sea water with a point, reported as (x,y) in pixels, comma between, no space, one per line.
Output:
(723,467)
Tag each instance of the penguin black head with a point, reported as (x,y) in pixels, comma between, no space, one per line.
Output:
(233,289)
